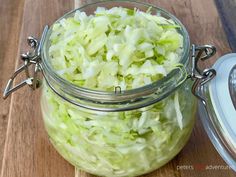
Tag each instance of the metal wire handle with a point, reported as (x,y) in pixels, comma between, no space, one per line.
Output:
(201,77)
(29,58)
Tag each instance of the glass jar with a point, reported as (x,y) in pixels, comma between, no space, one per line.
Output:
(120,133)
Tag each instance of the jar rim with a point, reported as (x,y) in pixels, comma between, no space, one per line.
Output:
(123,95)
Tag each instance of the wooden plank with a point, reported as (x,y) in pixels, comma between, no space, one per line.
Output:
(204,26)
(28,152)
(227,9)
(10,20)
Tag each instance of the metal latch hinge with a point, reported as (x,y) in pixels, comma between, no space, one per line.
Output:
(30,58)
(199,76)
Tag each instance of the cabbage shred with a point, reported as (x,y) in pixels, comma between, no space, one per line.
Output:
(116,47)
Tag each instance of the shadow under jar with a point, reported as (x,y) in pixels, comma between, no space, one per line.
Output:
(122,132)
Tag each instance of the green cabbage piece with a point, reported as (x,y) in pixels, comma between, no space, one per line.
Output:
(126,48)
(115,47)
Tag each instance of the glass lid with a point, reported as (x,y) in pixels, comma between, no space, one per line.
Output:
(219,117)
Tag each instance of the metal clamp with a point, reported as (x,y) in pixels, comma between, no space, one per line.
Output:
(29,58)
(201,77)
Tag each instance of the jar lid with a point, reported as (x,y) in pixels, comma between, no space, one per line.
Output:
(219,115)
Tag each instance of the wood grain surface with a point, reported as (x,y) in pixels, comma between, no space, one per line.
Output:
(28,152)
(24,147)
(227,9)
(10,25)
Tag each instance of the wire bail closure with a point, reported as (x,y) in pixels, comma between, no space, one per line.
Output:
(34,57)
(29,58)
(201,77)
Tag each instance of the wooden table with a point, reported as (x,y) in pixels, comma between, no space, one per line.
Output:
(24,147)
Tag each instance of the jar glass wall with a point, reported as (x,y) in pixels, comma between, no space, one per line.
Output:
(127,143)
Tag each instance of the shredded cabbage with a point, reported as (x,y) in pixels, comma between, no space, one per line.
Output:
(117,47)
(119,144)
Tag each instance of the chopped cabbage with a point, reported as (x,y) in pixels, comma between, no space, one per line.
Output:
(119,144)
(117,47)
